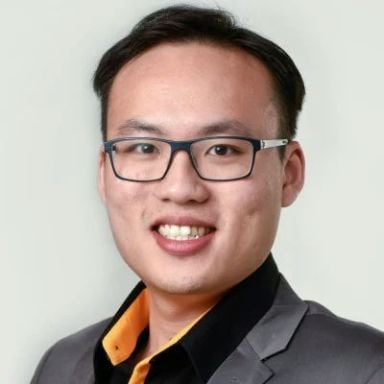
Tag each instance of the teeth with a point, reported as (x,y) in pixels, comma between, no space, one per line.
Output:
(182,232)
(185,231)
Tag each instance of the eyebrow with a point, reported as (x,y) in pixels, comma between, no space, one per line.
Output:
(231,126)
(133,126)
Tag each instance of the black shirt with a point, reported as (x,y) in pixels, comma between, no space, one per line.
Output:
(196,356)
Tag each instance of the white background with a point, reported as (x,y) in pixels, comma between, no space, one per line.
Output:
(59,268)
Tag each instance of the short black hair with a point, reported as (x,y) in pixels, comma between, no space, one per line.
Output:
(187,23)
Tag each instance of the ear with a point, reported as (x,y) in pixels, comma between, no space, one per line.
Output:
(293,173)
(101,174)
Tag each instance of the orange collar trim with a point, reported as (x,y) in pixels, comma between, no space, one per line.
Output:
(141,369)
(120,341)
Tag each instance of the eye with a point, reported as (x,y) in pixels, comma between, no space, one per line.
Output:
(145,148)
(136,148)
(140,148)
(221,150)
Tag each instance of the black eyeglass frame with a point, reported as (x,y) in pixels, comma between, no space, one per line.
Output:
(185,145)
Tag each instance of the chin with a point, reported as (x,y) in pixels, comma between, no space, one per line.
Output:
(176,285)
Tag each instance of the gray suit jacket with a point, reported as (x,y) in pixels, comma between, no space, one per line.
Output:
(296,342)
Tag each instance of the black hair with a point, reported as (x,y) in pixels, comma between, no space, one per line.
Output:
(186,23)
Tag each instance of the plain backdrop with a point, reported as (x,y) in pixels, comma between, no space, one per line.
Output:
(59,268)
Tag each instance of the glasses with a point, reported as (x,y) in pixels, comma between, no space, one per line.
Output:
(218,158)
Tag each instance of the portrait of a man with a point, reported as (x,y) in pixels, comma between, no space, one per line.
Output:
(199,118)
(191,193)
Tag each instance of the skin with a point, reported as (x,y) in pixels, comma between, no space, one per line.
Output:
(181,89)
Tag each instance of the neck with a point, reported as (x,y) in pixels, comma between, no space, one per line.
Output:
(169,314)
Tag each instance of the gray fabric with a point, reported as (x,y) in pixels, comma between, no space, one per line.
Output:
(70,360)
(296,342)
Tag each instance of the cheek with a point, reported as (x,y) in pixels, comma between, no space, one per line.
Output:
(125,202)
(249,198)
(252,207)
(127,208)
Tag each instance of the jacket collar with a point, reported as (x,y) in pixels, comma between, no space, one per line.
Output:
(271,335)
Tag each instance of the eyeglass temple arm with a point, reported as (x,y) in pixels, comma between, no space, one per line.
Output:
(264,144)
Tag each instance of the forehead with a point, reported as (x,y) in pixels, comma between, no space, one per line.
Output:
(190,85)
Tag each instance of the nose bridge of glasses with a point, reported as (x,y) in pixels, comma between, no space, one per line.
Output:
(183,146)
(180,146)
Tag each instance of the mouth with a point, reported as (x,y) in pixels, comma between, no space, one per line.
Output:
(183,235)
(183,232)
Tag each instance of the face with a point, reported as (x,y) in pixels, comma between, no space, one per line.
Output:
(186,91)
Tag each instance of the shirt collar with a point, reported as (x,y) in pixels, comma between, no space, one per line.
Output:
(210,340)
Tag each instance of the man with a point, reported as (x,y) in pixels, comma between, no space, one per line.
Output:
(198,119)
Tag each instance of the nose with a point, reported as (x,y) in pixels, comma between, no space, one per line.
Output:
(182,185)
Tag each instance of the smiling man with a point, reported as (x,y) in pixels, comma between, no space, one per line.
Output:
(198,120)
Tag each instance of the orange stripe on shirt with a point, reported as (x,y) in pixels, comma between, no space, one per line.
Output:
(142,368)
(120,341)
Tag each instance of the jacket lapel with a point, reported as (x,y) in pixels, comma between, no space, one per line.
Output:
(241,367)
(271,335)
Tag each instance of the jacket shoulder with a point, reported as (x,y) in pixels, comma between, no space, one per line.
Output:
(304,342)
(334,348)
(70,354)
(343,332)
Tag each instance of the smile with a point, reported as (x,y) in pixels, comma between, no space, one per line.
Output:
(182,232)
